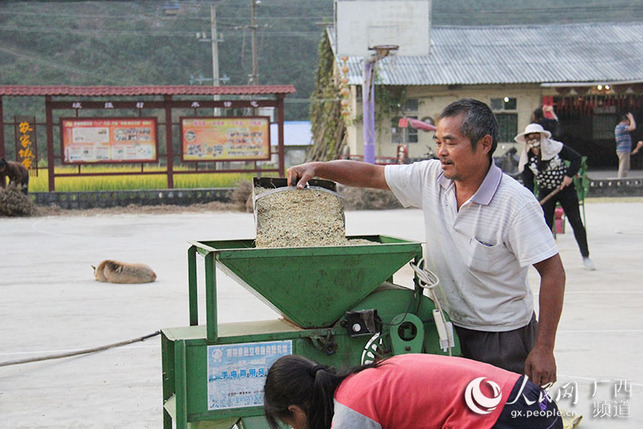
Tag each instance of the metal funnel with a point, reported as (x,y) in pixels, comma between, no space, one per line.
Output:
(314,286)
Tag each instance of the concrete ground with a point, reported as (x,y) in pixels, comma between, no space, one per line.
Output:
(51,304)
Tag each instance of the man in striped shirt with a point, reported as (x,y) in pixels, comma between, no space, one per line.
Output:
(483,231)
(624,143)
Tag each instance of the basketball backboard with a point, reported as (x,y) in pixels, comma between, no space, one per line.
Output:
(360,25)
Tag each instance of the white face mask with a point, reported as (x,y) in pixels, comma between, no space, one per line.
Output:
(533,143)
(533,140)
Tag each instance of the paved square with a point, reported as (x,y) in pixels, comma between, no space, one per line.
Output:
(51,304)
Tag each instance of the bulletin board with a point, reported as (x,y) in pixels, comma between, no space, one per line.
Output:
(108,140)
(225,138)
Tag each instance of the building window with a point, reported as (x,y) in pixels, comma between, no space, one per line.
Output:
(411,105)
(508,126)
(409,134)
(507,122)
(504,103)
(403,135)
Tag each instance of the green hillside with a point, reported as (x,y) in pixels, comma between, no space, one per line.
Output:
(150,42)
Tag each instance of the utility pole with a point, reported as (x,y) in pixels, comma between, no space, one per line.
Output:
(254,77)
(214,36)
(215,45)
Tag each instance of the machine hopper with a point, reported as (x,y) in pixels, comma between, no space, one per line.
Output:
(313,286)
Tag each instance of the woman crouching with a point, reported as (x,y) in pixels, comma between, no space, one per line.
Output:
(405,391)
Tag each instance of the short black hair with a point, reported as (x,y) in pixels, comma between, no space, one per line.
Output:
(538,114)
(478,121)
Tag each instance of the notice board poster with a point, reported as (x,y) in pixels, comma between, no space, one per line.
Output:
(226,139)
(108,140)
(237,372)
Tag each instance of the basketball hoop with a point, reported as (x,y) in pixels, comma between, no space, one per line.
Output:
(383,51)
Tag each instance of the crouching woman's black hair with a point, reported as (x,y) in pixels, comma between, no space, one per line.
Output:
(296,380)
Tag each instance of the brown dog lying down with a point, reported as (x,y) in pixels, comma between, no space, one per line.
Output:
(123,272)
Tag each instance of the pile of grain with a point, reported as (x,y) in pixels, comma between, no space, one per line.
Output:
(299,218)
(311,217)
(15,203)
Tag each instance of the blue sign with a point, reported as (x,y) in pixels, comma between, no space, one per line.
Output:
(236,372)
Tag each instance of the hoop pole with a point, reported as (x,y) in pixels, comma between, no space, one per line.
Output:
(368,107)
(368,103)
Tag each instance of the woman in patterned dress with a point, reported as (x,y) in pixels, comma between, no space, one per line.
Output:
(543,162)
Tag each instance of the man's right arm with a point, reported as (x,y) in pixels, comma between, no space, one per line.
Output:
(349,173)
(632,125)
(540,365)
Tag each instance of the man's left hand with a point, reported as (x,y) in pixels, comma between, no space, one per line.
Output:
(540,366)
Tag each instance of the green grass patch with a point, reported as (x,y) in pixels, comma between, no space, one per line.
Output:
(125,181)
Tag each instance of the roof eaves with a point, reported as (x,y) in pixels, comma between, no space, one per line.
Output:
(92,91)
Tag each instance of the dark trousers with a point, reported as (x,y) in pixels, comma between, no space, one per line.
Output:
(569,202)
(25,185)
(529,407)
(507,350)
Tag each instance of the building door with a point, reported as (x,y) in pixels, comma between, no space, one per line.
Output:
(587,125)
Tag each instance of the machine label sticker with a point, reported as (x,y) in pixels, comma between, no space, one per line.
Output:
(237,372)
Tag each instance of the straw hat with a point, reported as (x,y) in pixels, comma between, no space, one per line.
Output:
(532,128)
(548,148)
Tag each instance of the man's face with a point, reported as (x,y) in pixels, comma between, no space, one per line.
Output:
(459,160)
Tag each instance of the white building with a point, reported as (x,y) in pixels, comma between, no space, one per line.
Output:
(591,73)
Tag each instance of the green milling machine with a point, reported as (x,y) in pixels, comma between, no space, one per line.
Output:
(339,305)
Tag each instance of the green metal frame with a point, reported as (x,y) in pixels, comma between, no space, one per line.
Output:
(184,350)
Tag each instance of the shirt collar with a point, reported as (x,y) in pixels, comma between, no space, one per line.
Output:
(489,185)
(487,188)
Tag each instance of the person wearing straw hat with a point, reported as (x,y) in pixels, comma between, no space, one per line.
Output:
(542,162)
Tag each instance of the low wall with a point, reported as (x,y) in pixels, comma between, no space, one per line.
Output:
(184,197)
(615,187)
(105,199)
